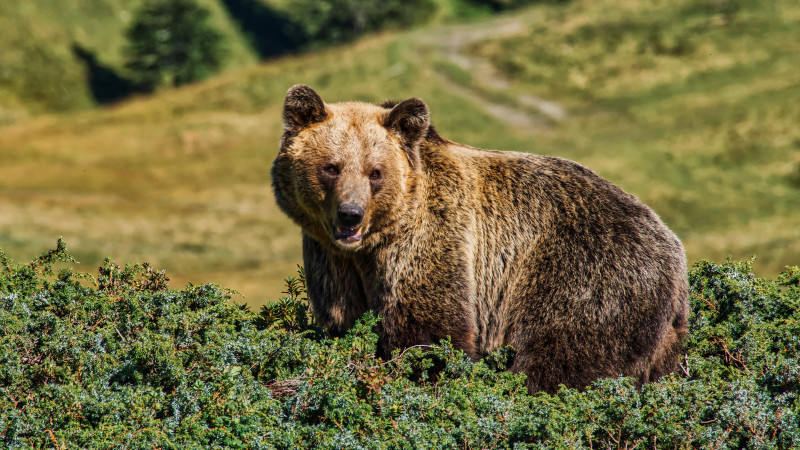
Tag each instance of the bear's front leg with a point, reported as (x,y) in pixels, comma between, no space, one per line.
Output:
(424,302)
(334,287)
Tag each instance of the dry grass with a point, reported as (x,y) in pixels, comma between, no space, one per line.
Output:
(181,180)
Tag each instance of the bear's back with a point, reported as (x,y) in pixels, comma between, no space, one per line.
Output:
(558,242)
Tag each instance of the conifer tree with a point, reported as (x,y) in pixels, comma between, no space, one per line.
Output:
(171,42)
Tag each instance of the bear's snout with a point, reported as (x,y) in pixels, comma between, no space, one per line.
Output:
(347,226)
(349,215)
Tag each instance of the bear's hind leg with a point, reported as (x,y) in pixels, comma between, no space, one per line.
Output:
(667,355)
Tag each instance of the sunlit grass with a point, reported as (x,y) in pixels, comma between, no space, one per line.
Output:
(181,180)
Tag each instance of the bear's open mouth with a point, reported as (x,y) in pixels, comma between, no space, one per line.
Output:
(347,234)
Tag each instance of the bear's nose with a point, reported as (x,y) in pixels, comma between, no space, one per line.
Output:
(350,215)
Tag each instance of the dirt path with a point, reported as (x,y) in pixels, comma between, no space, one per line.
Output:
(486,77)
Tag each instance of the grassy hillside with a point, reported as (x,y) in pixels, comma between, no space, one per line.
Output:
(691,105)
(40,69)
(181,179)
(57,55)
(693,110)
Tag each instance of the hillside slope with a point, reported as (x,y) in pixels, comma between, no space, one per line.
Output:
(49,48)
(691,105)
(707,137)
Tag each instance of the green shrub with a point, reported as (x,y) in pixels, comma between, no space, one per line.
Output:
(121,361)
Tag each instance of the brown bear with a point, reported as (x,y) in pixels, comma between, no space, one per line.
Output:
(490,248)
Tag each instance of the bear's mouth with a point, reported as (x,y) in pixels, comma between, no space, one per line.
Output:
(347,235)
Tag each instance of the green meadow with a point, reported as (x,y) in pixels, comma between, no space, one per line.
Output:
(693,106)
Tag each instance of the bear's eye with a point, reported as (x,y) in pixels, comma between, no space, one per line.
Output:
(375,175)
(331,169)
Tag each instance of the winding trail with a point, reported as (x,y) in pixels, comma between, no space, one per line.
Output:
(485,76)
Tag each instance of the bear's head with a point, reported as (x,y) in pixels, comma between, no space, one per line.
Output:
(346,171)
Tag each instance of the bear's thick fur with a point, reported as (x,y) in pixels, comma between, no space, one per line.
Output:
(491,248)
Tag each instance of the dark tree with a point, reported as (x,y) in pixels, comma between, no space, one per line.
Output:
(327,21)
(170,42)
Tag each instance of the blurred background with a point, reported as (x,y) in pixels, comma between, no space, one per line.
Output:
(144,130)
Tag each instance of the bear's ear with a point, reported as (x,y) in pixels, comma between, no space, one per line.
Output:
(302,107)
(410,120)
